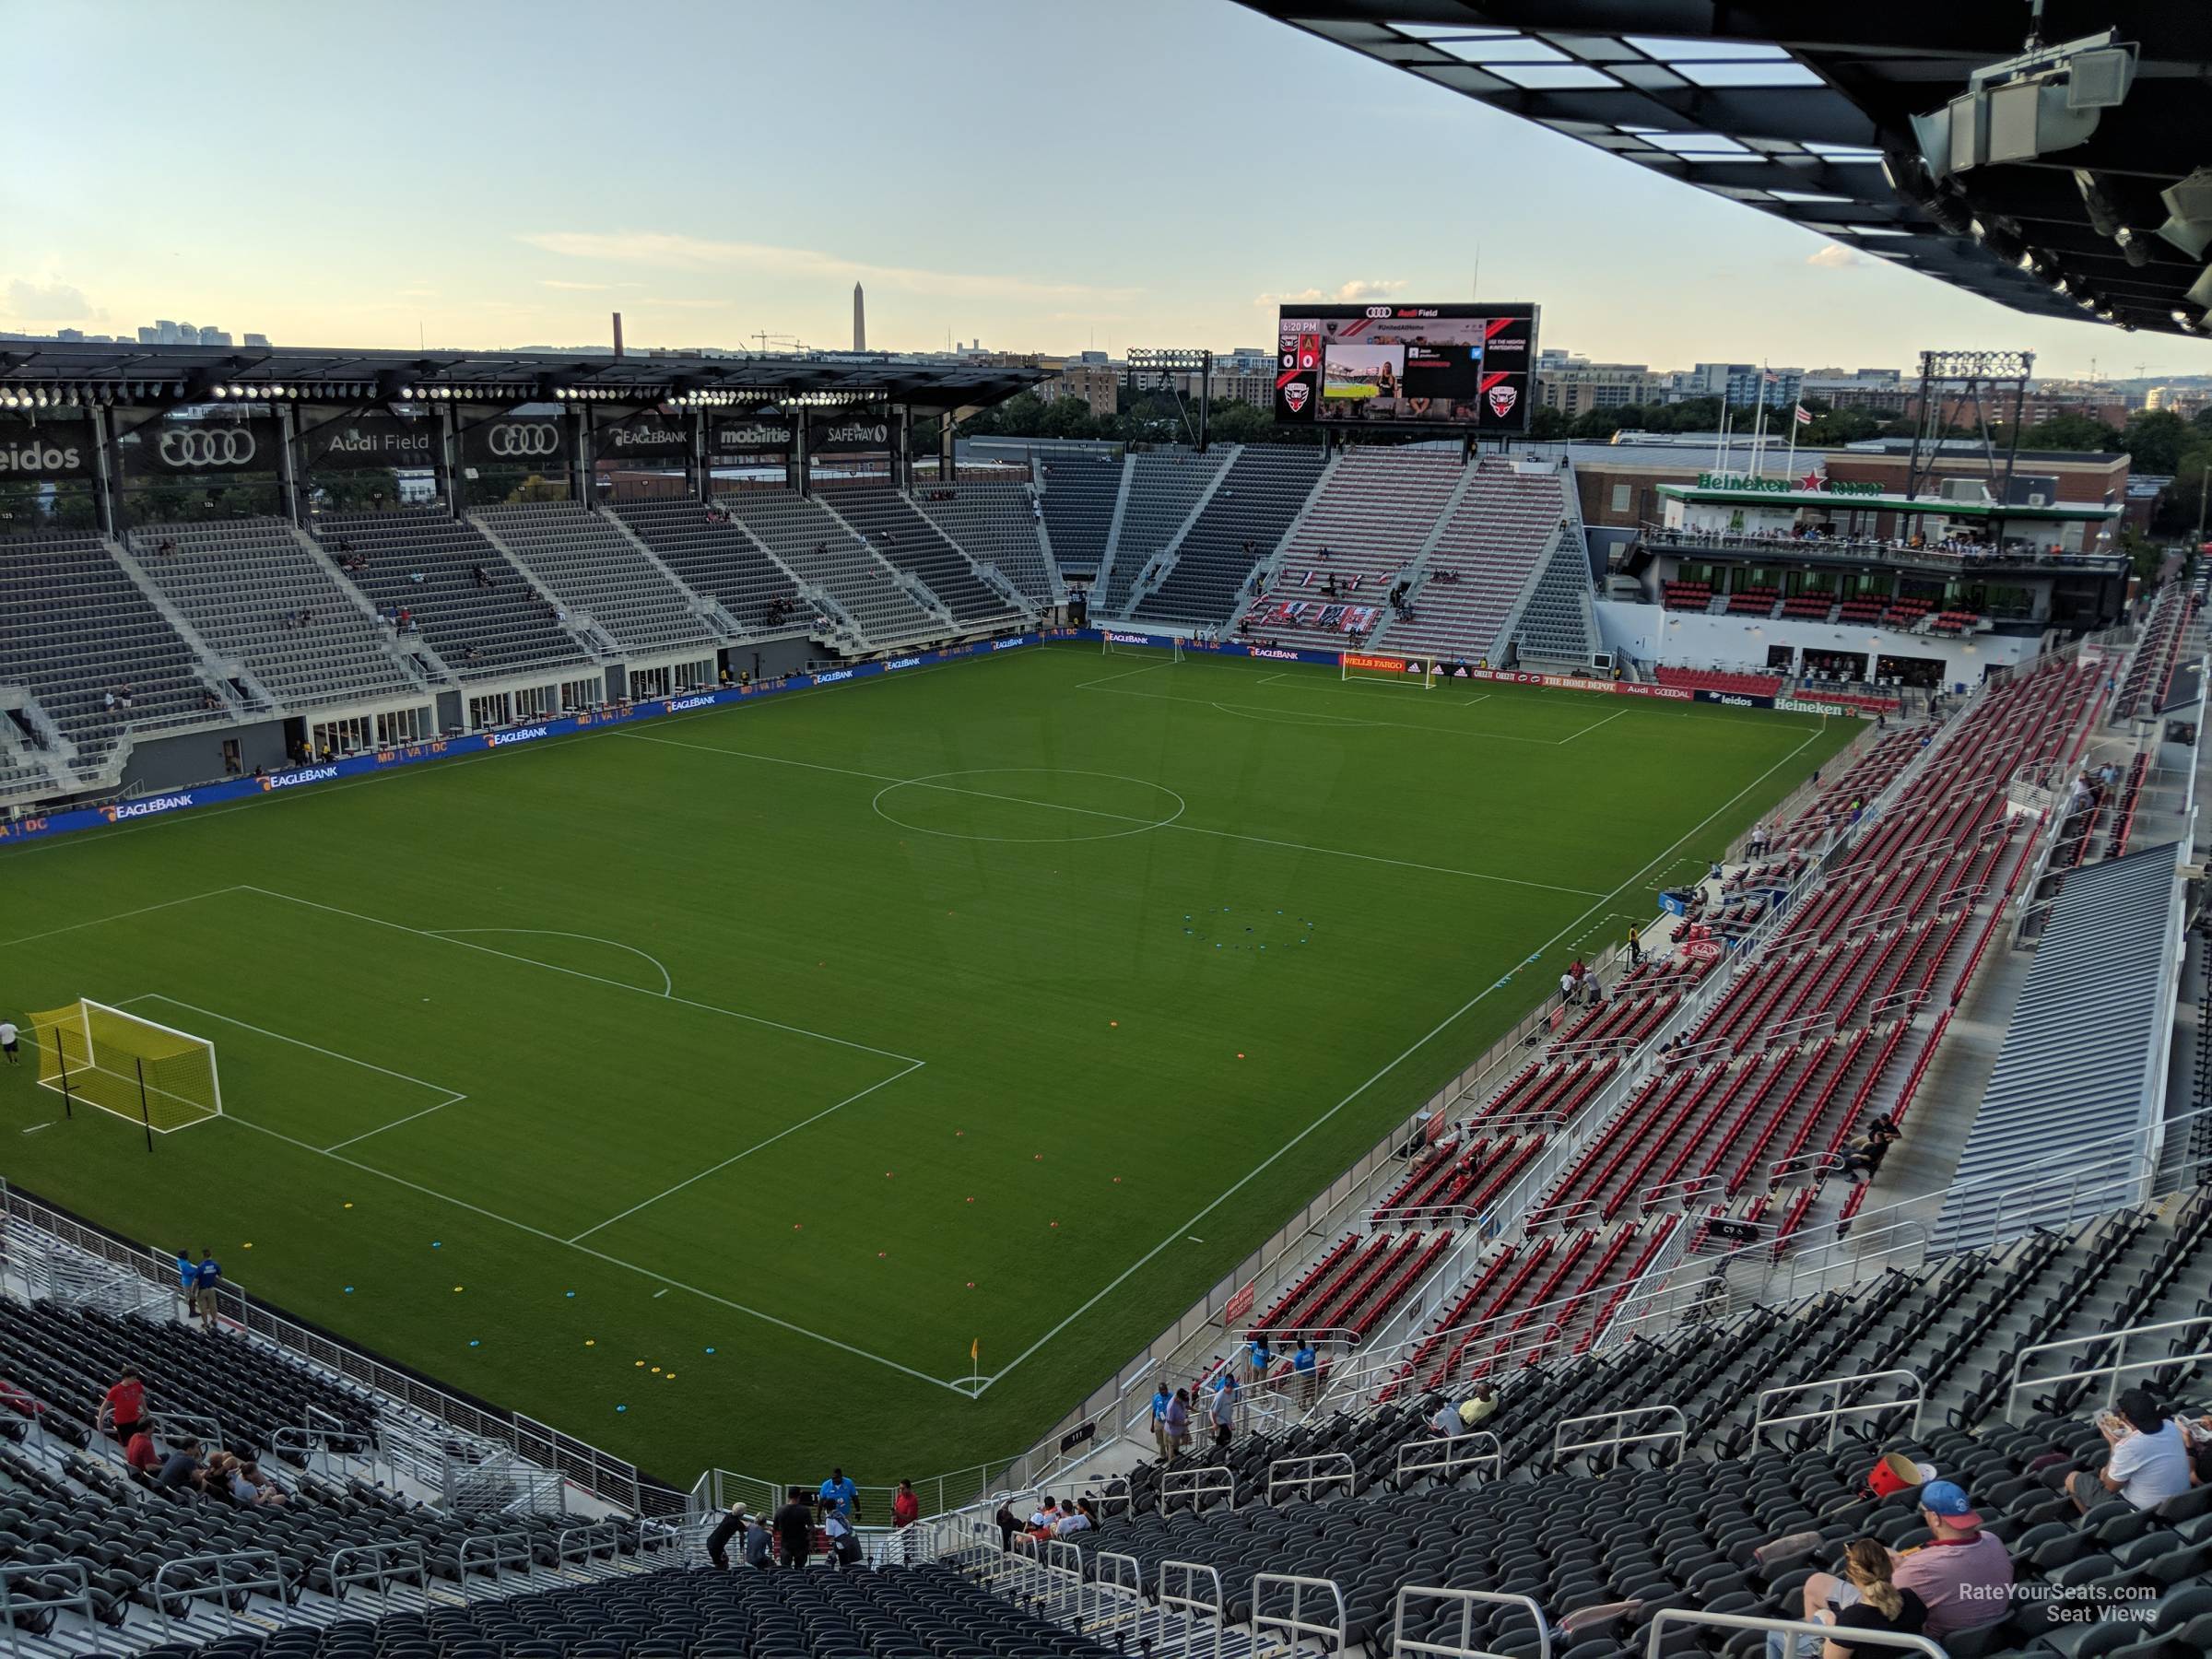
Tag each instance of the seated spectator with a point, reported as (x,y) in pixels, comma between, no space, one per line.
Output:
(249,1485)
(1867,1599)
(1867,1152)
(1477,1406)
(1443,1422)
(759,1544)
(1962,1573)
(180,1470)
(1071,1519)
(2150,1461)
(139,1451)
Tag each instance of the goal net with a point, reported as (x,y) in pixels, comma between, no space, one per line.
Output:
(134,1068)
(1403,671)
(1149,646)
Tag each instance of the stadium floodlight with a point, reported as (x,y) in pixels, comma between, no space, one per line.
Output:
(2045,99)
(149,1073)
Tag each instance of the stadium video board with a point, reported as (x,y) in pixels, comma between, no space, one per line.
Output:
(1463,367)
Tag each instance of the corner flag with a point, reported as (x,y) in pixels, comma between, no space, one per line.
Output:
(975,1348)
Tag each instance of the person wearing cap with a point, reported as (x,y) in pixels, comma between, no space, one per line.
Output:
(718,1541)
(1961,1573)
(2149,1460)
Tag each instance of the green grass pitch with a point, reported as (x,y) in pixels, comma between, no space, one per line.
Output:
(705,1088)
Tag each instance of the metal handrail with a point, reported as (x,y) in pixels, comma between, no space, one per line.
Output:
(1400,1643)
(494,1551)
(1210,1480)
(1320,1470)
(381,1566)
(259,1570)
(2121,1364)
(1620,1418)
(602,1537)
(1791,1628)
(81,1601)
(1183,1599)
(1455,1460)
(1834,1415)
(1117,1579)
(1295,1625)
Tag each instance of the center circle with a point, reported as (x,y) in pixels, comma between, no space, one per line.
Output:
(1100,807)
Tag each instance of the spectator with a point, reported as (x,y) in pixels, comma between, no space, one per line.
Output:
(759,1544)
(1009,1524)
(1304,1366)
(1478,1406)
(1566,989)
(181,1469)
(1072,1520)
(139,1451)
(1443,1422)
(122,1407)
(1258,1357)
(188,1277)
(1161,1400)
(249,1485)
(718,1541)
(1867,1599)
(795,1529)
(906,1505)
(841,1495)
(844,1544)
(1869,1149)
(1177,1420)
(2150,1461)
(1635,946)
(205,1277)
(1222,1410)
(1961,1573)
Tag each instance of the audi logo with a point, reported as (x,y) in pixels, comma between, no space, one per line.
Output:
(1378,311)
(211,446)
(512,443)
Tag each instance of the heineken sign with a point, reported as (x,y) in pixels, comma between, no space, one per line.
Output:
(1811,483)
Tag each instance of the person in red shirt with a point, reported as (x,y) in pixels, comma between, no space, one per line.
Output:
(906,1507)
(122,1407)
(139,1451)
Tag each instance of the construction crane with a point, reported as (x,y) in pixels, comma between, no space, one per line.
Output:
(767,342)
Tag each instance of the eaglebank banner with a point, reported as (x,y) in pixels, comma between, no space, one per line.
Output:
(479,743)
(216,445)
(1567,682)
(645,436)
(359,442)
(45,450)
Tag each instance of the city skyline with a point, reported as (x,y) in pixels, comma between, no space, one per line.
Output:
(1179,211)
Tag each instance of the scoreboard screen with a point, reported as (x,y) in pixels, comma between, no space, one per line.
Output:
(1464,367)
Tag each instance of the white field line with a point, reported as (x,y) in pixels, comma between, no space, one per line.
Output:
(144,910)
(1586,732)
(985,794)
(1265,1164)
(907,1060)
(600,1256)
(740,1157)
(1126,674)
(668,979)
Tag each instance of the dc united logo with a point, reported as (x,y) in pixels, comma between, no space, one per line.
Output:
(1502,398)
(1294,394)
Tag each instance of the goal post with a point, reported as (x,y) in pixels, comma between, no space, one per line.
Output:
(136,1069)
(1401,671)
(1150,646)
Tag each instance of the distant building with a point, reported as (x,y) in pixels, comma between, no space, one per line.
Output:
(1577,386)
(168,332)
(1097,384)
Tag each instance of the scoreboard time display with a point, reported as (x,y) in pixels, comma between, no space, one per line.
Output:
(1465,368)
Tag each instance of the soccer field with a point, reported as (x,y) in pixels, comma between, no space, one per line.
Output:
(706,1088)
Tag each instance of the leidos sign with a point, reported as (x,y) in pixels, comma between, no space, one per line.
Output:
(57,450)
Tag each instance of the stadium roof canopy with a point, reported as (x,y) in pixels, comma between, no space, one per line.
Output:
(1806,112)
(80,370)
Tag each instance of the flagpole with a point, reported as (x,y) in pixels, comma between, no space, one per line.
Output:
(1720,439)
(1789,467)
(1759,426)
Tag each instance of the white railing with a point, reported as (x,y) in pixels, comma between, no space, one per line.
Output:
(2120,1365)
(1620,1434)
(1448,1458)
(1329,1628)
(1214,1481)
(1306,1476)
(1466,1600)
(1790,1629)
(230,1581)
(1181,1589)
(1764,1417)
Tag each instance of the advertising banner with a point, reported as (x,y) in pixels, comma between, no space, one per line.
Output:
(749,437)
(647,435)
(45,451)
(219,443)
(861,427)
(335,441)
(531,440)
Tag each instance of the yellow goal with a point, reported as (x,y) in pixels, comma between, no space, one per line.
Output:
(149,1073)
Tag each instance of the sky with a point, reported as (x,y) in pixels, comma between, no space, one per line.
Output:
(1040,175)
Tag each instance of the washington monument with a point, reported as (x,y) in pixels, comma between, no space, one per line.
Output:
(859,320)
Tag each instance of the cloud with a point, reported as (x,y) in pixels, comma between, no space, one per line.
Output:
(1835,256)
(50,302)
(1345,293)
(699,254)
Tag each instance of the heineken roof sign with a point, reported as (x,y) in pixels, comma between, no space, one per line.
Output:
(1810,484)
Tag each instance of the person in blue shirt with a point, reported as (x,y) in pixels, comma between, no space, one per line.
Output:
(205,1277)
(1303,1364)
(839,1493)
(188,1277)
(1160,1398)
(1260,1359)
